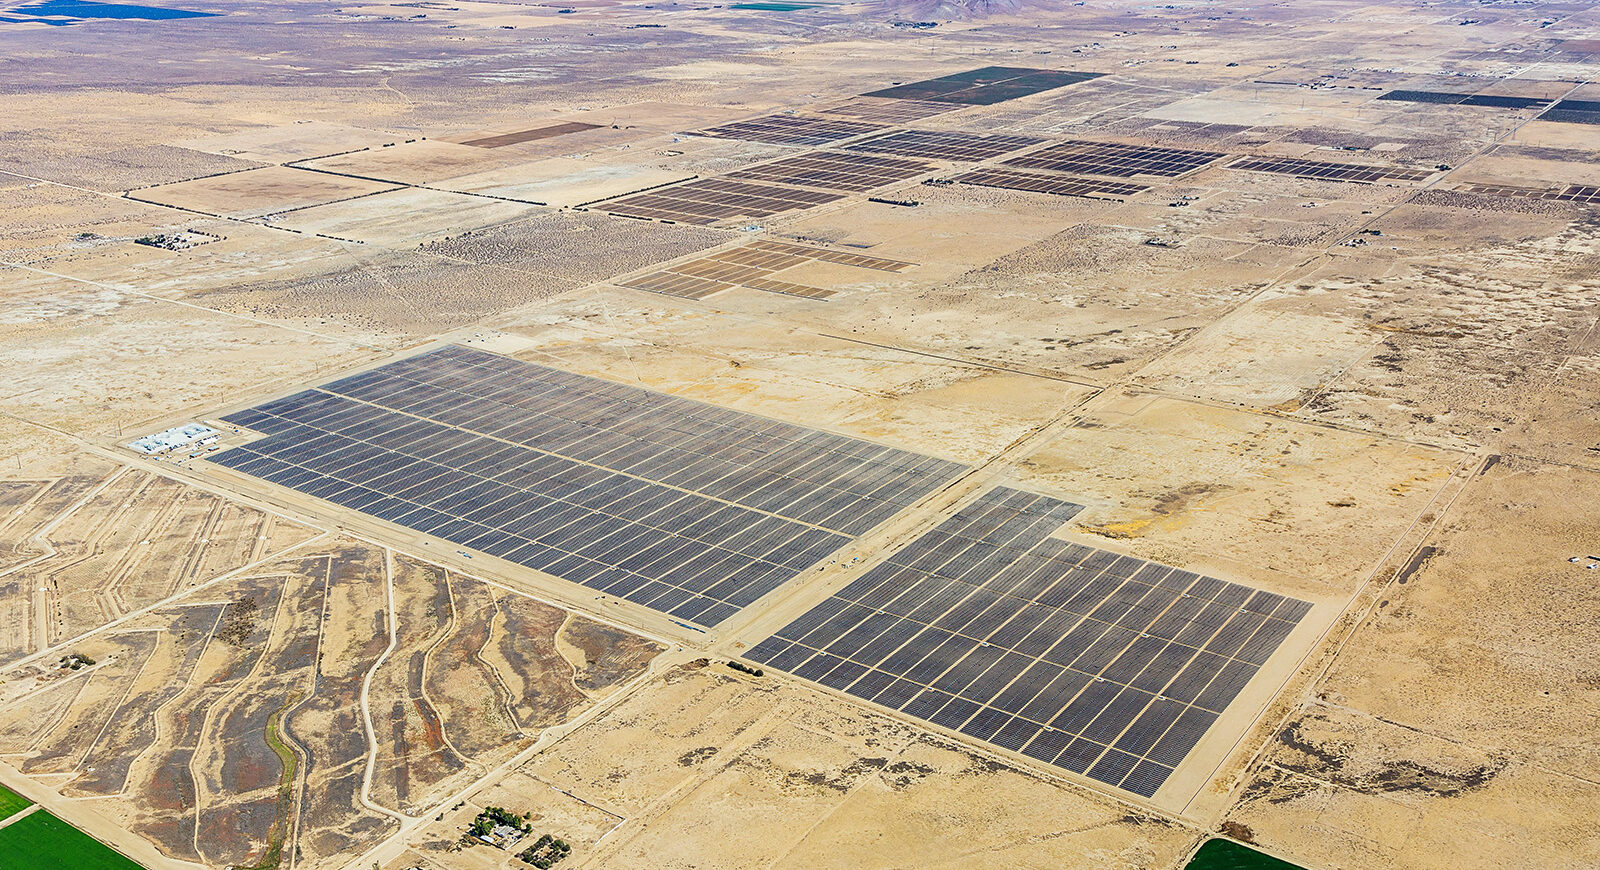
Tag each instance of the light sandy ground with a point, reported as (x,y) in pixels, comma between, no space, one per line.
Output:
(1380,398)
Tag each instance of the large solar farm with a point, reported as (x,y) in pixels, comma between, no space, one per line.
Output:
(909,433)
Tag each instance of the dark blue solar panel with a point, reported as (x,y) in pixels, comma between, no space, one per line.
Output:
(1107,689)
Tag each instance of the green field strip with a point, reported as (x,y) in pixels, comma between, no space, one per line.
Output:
(1228,855)
(40,841)
(12,803)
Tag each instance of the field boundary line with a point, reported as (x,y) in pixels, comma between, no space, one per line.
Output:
(21,814)
(169,600)
(366,686)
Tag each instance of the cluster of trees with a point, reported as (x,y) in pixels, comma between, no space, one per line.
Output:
(76,661)
(746,669)
(491,816)
(545,852)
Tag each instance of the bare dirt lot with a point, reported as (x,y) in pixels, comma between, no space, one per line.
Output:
(707,766)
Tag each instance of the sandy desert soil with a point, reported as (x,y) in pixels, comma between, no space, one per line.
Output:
(1376,396)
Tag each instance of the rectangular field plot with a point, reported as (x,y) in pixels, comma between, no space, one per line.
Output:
(41,841)
(1584,193)
(710,200)
(681,286)
(1446,98)
(985,86)
(1101,664)
(889,111)
(1328,171)
(1115,159)
(944,145)
(1574,112)
(1059,185)
(826,255)
(683,507)
(752,266)
(792,130)
(533,135)
(11,803)
(834,171)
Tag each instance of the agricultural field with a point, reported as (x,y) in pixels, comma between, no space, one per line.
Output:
(41,840)
(880,434)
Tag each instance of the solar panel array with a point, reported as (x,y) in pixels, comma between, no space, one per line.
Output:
(944,145)
(1060,185)
(709,200)
(792,130)
(889,111)
(752,266)
(834,171)
(1584,193)
(1100,664)
(1328,171)
(827,255)
(1446,98)
(683,507)
(1115,159)
(985,86)
(534,135)
(1574,112)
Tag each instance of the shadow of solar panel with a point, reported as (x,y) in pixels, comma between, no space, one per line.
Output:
(1106,665)
(583,478)
(1329,171)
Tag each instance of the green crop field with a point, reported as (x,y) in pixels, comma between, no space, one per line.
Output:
(12,803)
(43,842)
(1228,855)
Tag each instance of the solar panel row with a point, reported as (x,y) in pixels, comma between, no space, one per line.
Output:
(1585,193)
(674,284)
(792,130)
(835,171)
(985,86)
(1115,159)
(1574,112)
(827,255)
(944,145)
(1059,185)
(504,139)
(708,200)
(889,111)
(689,509)
(1444,97)
(1098,663)
(752,266)
(1329,171)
